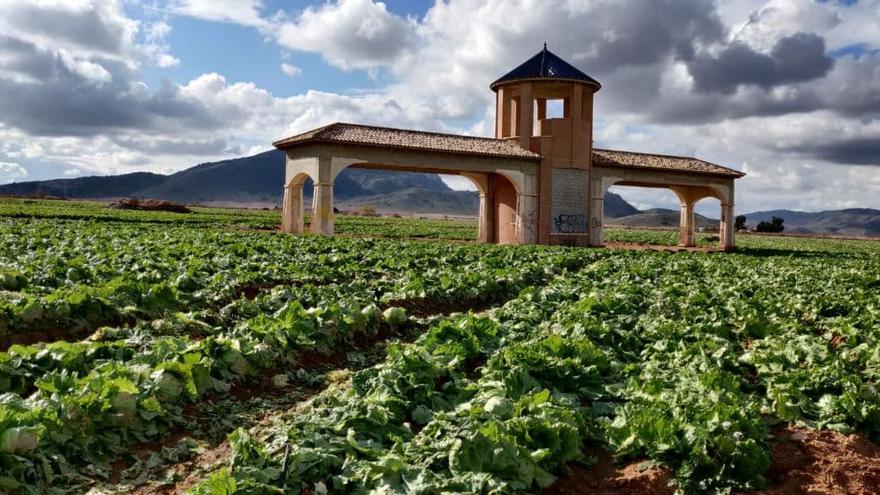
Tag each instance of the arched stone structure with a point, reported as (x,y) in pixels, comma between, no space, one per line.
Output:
(540,180)
(690,188)
(505,175)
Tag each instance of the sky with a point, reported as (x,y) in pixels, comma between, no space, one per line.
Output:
(787,91)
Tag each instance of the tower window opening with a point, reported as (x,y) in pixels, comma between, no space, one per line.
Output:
(555,109)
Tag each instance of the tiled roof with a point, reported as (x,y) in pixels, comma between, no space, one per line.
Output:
(387,137)
(546,65)
(647,161)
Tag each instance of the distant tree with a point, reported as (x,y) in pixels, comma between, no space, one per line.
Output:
(740,222)
(368,211)
(774,225)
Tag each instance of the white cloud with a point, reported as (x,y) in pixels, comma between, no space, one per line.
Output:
(246,12)
(790,137)
(9,172)
(350,34)
(291,70)
(157,48)
(72,172)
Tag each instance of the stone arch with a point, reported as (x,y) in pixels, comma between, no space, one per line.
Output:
(712,197)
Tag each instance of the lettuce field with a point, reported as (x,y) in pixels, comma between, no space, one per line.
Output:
(207,354)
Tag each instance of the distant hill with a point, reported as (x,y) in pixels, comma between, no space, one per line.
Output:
(661,217)
(849,222)
(616,206)
(258,179)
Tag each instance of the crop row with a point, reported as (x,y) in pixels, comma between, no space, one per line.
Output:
(70,407)
(686,360)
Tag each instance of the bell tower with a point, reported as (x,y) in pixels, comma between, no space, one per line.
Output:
(546,106)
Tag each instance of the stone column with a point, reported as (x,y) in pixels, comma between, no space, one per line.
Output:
(526,115)
(291,209)
(483,220)
(287,210)
(686,237)
(527,218)
(597,211)
(322,214)
(487,210)
(728,242)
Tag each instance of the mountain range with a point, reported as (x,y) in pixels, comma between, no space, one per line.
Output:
(848,222)
(257,181)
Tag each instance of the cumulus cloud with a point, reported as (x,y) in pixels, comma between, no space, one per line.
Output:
(796,58)
(290,70)
(157,48)
(350,34)
(761,86)
(247,12)
(9,172)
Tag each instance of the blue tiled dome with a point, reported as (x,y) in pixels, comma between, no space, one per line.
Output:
(546,65)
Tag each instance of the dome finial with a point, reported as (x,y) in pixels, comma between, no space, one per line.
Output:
(545,46)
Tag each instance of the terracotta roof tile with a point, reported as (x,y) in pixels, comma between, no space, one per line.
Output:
(404,138)
(387,137)
(648,161)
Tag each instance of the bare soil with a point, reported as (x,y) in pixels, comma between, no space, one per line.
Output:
(607,478)
(149,205)
(822,462)
(804,461)
(426,306)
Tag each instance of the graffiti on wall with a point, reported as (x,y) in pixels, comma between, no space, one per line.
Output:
(571,224)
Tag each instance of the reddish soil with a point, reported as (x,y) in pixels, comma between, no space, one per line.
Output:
(822,462)
(606,478)
(426,306)
(191,471)
(804,461)
(54,335)
(253,289)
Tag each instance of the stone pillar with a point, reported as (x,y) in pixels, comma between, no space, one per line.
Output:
(503,111)
(728,242)
(597,211)
(527,210)
(542,108)
(287,210)
(686,237)
(487,206)
(291,209)
(527,218)
(525,111)
(483,220)
(322,214)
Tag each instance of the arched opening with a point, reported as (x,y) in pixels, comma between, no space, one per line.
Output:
(707,211)
(644,215)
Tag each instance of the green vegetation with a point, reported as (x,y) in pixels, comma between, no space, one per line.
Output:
(775,224)
(432,367)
